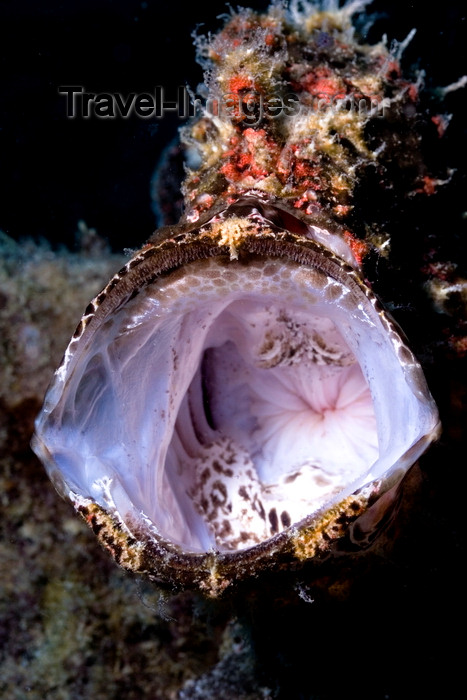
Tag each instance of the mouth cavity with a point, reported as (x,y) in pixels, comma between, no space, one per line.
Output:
(230,400)
(276,420)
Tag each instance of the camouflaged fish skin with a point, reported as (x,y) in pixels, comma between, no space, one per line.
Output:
(237,399)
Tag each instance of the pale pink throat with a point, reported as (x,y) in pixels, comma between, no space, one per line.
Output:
(231,399)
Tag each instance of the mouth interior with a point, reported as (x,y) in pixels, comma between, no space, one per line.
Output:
(270,416)
(277,420)
(224,403)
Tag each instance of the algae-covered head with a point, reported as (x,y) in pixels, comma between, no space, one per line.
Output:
(236,396)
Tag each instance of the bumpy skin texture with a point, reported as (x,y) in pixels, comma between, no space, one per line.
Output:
(299,108)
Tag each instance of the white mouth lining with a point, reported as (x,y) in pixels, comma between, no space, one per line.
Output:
(105,429)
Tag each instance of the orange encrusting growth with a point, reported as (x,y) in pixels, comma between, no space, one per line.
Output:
(290,112)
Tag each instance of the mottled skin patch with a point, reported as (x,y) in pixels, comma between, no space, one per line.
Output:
(125,549)
(292,343)
(312,155)
(332,525)
(228,495)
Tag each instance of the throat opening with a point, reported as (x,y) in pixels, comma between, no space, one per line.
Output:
(277,420)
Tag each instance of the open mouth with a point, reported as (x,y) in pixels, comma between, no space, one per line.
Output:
(275,416)
(224,400)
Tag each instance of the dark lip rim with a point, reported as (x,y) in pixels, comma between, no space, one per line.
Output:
(157,260)
(213,571)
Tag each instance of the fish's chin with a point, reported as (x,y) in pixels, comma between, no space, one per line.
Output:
(222,400)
